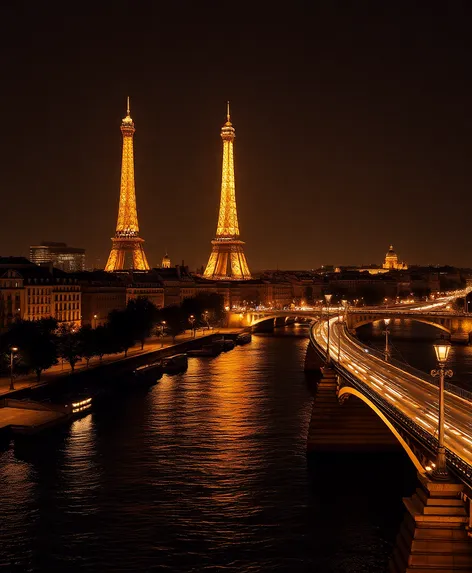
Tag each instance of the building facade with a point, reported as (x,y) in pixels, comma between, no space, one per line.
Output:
(12,297)
(145,285)
(32,292)
(68,259)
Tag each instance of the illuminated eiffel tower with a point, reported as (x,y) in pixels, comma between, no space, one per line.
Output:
(227,260)
(127,239)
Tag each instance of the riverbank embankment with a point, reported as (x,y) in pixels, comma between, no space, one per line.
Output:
(109,367)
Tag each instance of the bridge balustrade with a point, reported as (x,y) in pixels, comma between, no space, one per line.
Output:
(462,469)
(448,386)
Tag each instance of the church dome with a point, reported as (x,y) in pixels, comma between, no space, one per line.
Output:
(165,262)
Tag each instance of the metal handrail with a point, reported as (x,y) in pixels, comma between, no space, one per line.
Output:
(448,386)
(461,467)
(428,440)
(406,311)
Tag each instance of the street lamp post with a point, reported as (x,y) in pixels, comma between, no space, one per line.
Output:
(205,318)
(441,349)
(163,325)
(328,300)
(387,322)
(344,303)
(191,319)
(13,349)
(95,316)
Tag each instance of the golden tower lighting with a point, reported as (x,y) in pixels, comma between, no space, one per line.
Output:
(127,239)
(227,260)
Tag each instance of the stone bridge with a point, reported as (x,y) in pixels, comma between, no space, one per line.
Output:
(366,404)
(278,317)
(457,325)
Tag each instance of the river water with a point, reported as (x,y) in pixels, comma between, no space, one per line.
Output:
(206,471)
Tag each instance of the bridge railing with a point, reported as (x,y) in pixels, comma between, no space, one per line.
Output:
(429,441)
(457,464)
(451,388)
(410,311)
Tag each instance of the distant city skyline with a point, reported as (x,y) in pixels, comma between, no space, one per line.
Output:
(352,130)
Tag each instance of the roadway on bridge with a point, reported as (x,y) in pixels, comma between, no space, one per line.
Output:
(415,397)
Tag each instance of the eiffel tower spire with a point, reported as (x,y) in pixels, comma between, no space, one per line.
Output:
(227,259)
(126,239)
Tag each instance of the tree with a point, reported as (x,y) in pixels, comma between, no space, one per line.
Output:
(122,334)
(174,320)
(35,340)
(87,342)
(68,345)
(104,342)
(206,307)
(143,315)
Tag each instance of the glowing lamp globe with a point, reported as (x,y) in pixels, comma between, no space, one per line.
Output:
(442,348)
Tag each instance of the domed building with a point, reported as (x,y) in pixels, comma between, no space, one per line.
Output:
(391,261)
(165,262)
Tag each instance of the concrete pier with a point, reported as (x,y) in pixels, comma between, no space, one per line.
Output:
(433,536)
(460,338)
(29,417)
(348,427)
(313,361)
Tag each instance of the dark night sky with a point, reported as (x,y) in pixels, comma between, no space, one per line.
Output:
(353,125)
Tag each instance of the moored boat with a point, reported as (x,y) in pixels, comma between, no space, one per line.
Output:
(228,345)
(207,350)
(243,338)
(76,404)
(81,406)
(174,364)
(147,374)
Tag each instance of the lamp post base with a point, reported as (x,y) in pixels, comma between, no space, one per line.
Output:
(440,474)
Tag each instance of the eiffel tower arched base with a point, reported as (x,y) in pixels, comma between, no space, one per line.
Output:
(227,261)
(121,248)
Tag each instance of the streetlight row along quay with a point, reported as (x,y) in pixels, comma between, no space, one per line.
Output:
(13,349)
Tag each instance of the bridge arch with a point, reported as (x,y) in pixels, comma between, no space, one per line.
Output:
(348,390)
(370,319)
(257,318)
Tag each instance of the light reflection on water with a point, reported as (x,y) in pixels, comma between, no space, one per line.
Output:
(205,471)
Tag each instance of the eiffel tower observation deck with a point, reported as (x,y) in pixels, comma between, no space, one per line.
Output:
(127,249)
(227,260)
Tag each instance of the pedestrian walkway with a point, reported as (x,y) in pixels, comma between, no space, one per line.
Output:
(63,368)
